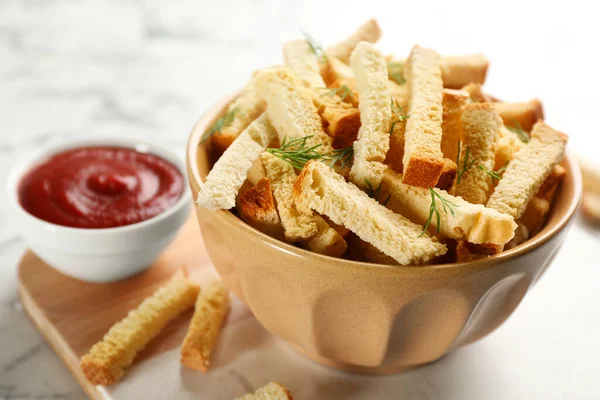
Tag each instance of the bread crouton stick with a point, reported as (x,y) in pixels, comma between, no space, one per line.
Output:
(104,364)
(423,161)
(523,115)
(458,71)
(452,104)
(210,310)
(303,226)
(529,169)
(507,145)
(480,128)
(340,119)
(257,208)
(373,141)
(367,32)
(321,189)
(240,113)
(229,172)
(291,109)
(472,222)
(271,391)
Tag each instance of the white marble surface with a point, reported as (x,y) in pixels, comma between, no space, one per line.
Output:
(149,69)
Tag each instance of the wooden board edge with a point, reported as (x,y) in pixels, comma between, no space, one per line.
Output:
(53,337)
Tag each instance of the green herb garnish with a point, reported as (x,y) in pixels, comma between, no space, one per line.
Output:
(519,131)
(342,156)
(295,152)
(495,175)
(466,164)
(396,112)
(316,48)
(221,123)
(344,89)
(447,206)
(375,193)
(396,72)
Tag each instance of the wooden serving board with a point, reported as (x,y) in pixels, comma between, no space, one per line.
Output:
(73,315)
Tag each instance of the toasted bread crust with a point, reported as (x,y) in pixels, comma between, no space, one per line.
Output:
(476,93)
(225,179)
(395,154)
(364,251)
(480,128)
(458,71)
(320,189)
(448,175)
(452,128)
(466,251)
(423,161)
(525,113)
(534,216)
(299,58)
(472,222)
(548,188)
(507,145)
(104,364)
(300,226)
(247,107)
(529,169)
(297,224)
(373,141)
(367,32)
(257,208)
(290,107)
(340,120)
(211,308)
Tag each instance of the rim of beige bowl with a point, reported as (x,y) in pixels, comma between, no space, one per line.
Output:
(227,217)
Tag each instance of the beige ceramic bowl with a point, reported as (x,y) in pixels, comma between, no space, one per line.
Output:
(366,317)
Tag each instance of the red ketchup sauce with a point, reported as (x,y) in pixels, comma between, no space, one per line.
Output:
(100,187)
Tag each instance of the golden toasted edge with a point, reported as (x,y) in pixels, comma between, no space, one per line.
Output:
(257,208)
(105,362)
(244,109)
(367,32)
(526,173)
(221,186)
(480,129)
(423,161)
(525,114)
(452,128)
(446,180)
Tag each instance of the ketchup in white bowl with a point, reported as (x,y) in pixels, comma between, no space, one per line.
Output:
(100,187)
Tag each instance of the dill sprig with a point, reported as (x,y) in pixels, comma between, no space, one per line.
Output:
(396,112)
(466,164)
(495,175)
(375,193)
(296,152)
(315,47)
(344,89)
(221,123)
(342,157)
(519,131)
(396,72)
(447,206)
